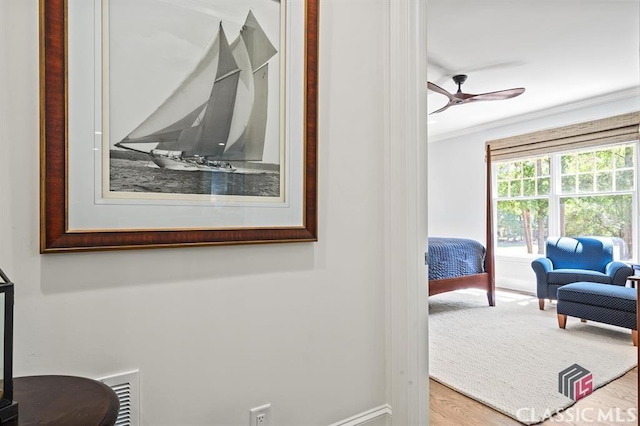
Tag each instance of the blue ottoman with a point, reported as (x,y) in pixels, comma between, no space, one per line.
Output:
(606,303)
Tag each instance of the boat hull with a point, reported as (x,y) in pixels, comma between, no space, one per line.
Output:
(189,165)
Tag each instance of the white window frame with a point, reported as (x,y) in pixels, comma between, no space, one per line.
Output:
(555,195)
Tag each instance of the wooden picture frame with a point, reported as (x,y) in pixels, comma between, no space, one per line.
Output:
(57,235)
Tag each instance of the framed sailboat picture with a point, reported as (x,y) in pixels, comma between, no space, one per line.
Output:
(170,123)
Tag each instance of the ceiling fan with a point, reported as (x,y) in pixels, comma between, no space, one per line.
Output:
(460,98)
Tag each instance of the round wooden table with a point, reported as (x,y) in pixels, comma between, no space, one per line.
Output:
(64,401)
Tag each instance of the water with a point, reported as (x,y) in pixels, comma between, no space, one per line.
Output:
(145,176)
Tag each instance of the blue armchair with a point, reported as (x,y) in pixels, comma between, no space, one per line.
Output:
(570,260)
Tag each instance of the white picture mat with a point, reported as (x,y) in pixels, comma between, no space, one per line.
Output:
(88,211)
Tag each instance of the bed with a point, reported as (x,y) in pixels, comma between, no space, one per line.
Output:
(459,263)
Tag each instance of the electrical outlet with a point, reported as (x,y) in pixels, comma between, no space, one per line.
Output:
(261,416)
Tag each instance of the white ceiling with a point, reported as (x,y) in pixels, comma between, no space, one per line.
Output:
(561,51)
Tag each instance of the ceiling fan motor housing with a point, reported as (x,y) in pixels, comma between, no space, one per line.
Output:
(459,79)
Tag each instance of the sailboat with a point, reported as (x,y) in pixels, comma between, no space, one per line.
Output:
(218,113)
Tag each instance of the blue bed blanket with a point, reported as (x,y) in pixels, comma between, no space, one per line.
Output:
(454,257)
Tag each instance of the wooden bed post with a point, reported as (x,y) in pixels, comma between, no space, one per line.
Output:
(484,280)
(489,256)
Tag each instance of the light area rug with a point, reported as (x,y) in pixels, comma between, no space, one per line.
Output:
(509,356)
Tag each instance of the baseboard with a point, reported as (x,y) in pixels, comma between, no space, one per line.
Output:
(380,414)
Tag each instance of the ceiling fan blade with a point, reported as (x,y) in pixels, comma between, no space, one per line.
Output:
(442,109)
(440,90)
(460,98)
(497,96)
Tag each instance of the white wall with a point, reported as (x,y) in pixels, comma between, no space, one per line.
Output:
(216,331)
(457,179)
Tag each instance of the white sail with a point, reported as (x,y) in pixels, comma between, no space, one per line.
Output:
(192,92)
(258,44)
(250,146)
(245,93)
(212,133)
(252,49)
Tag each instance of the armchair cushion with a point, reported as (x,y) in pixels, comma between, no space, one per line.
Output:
(593,253)
(566,276)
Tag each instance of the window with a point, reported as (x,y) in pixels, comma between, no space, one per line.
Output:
(587,192)
(523,205)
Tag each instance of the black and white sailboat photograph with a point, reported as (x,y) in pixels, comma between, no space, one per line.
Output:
(214,129)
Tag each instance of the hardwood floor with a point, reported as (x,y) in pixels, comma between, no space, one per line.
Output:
(449,408)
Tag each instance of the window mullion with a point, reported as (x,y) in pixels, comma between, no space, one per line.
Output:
(554,198)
